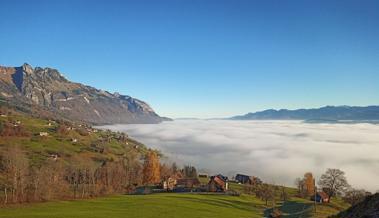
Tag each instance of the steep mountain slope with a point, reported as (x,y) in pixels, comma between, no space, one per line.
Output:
(324,113)
(367,208)
(47,89)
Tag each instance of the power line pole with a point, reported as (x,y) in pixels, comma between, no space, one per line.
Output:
(315,193)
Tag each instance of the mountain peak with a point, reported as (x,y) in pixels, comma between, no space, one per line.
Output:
(27,68)
(49,89)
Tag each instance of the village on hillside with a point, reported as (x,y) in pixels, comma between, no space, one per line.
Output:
(188,181)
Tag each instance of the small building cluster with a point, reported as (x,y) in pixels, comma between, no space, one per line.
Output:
(176,183)
(201,183)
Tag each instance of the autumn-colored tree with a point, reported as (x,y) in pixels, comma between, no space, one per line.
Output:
(151,171)
(309,184)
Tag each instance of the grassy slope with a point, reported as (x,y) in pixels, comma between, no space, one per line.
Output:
(298,207)
(39,148)
(146,206)
(166,205)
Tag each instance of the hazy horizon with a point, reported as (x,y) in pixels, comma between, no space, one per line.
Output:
(232,115)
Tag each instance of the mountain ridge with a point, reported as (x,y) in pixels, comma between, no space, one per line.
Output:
(48,90)
(331,113)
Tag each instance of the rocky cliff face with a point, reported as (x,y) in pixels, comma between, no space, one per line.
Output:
(48,89)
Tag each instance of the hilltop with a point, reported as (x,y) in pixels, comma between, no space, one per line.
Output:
(46,91)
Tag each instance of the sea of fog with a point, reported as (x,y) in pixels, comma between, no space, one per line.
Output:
(276,151)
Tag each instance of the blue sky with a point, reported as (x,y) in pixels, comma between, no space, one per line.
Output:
(204,58)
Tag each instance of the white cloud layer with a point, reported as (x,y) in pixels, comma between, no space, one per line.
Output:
(276,151)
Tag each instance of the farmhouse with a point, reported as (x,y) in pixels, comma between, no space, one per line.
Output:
(321,197)
(244,179)
(240,178)
(218,183)
(169,184)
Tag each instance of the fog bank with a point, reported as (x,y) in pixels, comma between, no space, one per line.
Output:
(276,151)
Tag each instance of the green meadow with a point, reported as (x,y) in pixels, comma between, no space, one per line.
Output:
(168,205)
(144,206)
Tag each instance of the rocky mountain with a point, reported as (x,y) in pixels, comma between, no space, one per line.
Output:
(27,88)
(328,113)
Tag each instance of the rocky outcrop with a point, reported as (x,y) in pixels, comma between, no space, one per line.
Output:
(367,208)
(47,88)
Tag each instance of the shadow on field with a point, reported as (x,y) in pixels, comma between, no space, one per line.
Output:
(293,209)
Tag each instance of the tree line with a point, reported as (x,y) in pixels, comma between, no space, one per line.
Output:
(21,181)
(334,183)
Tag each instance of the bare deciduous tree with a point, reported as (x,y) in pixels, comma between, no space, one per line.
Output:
(266,192)
(333,182)
(300,187)
(16,172)
(354,196)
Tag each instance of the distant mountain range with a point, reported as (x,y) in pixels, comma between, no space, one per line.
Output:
(46,91)
(323,114)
